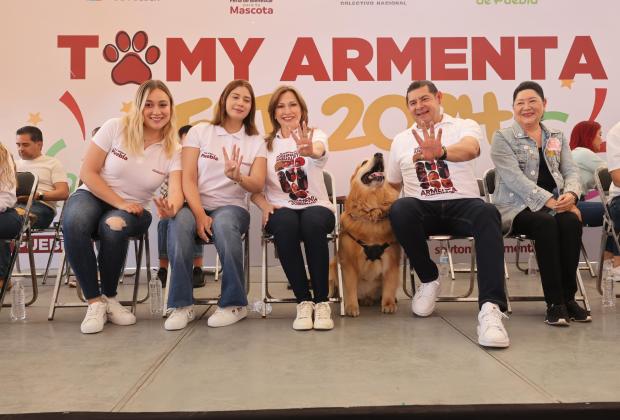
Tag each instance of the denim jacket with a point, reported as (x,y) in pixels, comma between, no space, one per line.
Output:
(516,159)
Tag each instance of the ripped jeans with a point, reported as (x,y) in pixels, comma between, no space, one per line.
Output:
(87,218)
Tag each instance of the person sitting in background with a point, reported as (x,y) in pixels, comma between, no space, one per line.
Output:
(53,185)
(198,279)
(10,221)
(585,142)
(531,161)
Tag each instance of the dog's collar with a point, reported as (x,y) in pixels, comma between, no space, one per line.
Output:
(373,252)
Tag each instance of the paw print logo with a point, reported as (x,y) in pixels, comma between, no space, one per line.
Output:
(131,68)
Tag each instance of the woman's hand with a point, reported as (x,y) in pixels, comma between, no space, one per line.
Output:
(304,140)
(565,202)
(133,208)
(575,210)
(165,210)
(203,227)
(268,209)
(551,203)
(232,164)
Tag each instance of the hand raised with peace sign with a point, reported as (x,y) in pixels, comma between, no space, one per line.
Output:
(232,164)
(304,140)
(430,144)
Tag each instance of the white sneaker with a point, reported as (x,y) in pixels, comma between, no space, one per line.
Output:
(323,316)
(303,321)
(423,303)
(95,318)
(179,318)
(223,317)
(491,331)
(117,313)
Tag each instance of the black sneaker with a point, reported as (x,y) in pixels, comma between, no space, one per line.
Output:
(577,313)
(557,315)
(198,277)
(162,275)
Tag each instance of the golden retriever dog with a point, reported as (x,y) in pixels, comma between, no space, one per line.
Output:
(369,253)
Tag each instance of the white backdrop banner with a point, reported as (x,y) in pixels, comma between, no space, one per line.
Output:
(70,65)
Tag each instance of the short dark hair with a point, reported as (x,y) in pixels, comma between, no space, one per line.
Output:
(184,130)
(529,85)
(92,133)
(34,133)
(417,84)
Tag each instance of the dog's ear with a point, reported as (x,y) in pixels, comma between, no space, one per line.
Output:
(357,168)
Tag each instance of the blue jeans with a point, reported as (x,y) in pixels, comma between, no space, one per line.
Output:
(86,218)
(162,241)
(614,212)
(414,220)
(229,223)
(592,216)
(10,225)
(44,214)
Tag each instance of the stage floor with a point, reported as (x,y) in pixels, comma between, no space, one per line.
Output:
(373,360)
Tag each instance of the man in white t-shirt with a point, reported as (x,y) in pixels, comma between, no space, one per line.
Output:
(433,160)
(53,184)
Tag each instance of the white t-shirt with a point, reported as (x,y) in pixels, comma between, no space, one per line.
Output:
(134,178)
(295,181)
(7,196)
(613,156)
(215,188)
(48,169)
(438,180)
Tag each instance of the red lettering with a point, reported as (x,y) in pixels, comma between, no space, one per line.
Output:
(440,58)
(537,46)
(178,53)
(77,45)
(305,48)
(483,53)
(414,53)
(582,47)
(241,59)
(342,62)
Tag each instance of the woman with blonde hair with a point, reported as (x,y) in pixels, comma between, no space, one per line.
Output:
(126,162)
(296,207)
(10,221)
(222,162)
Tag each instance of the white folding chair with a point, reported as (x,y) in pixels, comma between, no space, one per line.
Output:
(603,181)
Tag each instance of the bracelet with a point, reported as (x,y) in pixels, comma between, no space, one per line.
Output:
(444,155)
(574,196)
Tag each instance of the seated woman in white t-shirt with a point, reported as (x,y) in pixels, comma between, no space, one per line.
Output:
(10,221)
(221,164)
(125,164)
(296,206)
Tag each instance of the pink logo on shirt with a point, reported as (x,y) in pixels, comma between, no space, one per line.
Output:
(118,153)
(208,155)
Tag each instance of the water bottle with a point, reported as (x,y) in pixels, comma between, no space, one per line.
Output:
(532,265)
(609,297)
(444,265)
(156,296)
(257,306)
(18,305)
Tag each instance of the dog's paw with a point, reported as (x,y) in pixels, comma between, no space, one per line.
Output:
(352,310)
(388,306)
